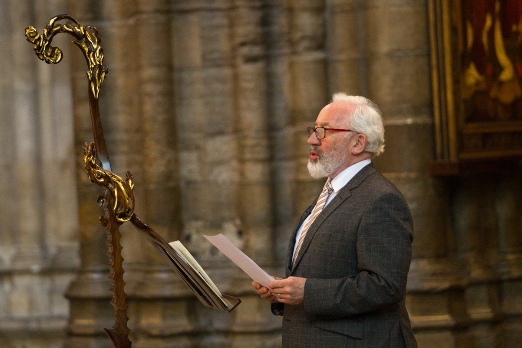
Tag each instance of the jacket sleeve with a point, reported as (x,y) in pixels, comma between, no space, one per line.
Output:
(277,308)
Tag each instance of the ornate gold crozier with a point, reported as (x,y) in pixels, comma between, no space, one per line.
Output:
(117,198)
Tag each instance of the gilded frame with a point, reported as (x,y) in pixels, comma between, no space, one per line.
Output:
(473,122)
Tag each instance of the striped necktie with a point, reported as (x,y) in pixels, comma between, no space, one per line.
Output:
(321,201)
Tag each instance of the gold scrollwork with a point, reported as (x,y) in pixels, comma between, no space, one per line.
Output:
(87,40)
(120,189)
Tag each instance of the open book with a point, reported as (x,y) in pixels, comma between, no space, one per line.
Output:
(189,270)
(191,261)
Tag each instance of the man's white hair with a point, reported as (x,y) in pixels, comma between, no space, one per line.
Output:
(365,119)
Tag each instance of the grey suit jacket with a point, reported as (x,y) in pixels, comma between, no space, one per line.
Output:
(356,257)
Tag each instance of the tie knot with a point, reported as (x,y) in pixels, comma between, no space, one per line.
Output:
(328,186)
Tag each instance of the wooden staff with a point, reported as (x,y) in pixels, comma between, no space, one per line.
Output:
(117,198)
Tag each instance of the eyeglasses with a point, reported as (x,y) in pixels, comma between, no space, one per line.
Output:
(320,132)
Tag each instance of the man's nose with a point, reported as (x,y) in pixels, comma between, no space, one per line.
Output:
(313,140)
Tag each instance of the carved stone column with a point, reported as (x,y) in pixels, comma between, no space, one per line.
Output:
(476,244)
(346,46)
(7,192)
(507,206)
(163,300)
(29,223)
(308,89)
(38,239)
(206,118)
(7,139)
(255,197)
(38,214)
(276,37)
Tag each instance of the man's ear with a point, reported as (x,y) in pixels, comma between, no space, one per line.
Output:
(360,144)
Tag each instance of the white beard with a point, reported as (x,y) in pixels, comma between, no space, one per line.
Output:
(327,164)
(316,169)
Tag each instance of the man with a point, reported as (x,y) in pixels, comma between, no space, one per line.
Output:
(349,258)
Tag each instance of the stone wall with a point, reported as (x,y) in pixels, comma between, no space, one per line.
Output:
(206,103)
(38,199)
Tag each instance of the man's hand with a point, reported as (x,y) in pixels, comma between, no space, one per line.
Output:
(289,291)
(264,292)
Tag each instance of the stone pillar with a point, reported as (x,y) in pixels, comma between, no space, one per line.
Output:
(22,253)
(7,191)
(58,173)
(398,76)
(276,40)
(30,219)
(56,139)
(507,206)
(37,198)
(208,148)
(162,299)
(190,115)
(308,89)
(219,189)
(476,244)
(346,47)
(7,141)
(255,198)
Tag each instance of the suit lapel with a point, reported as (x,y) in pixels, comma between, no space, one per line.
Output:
(341,196)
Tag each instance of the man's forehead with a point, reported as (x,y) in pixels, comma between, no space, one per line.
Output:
(335,112)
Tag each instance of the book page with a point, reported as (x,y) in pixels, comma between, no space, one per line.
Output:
(187,256)
(239,258)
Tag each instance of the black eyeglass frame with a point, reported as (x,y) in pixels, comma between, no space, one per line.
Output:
(312,130)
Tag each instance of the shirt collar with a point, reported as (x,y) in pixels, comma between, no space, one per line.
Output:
(346,175)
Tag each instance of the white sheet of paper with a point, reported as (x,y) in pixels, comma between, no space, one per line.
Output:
(240,258)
